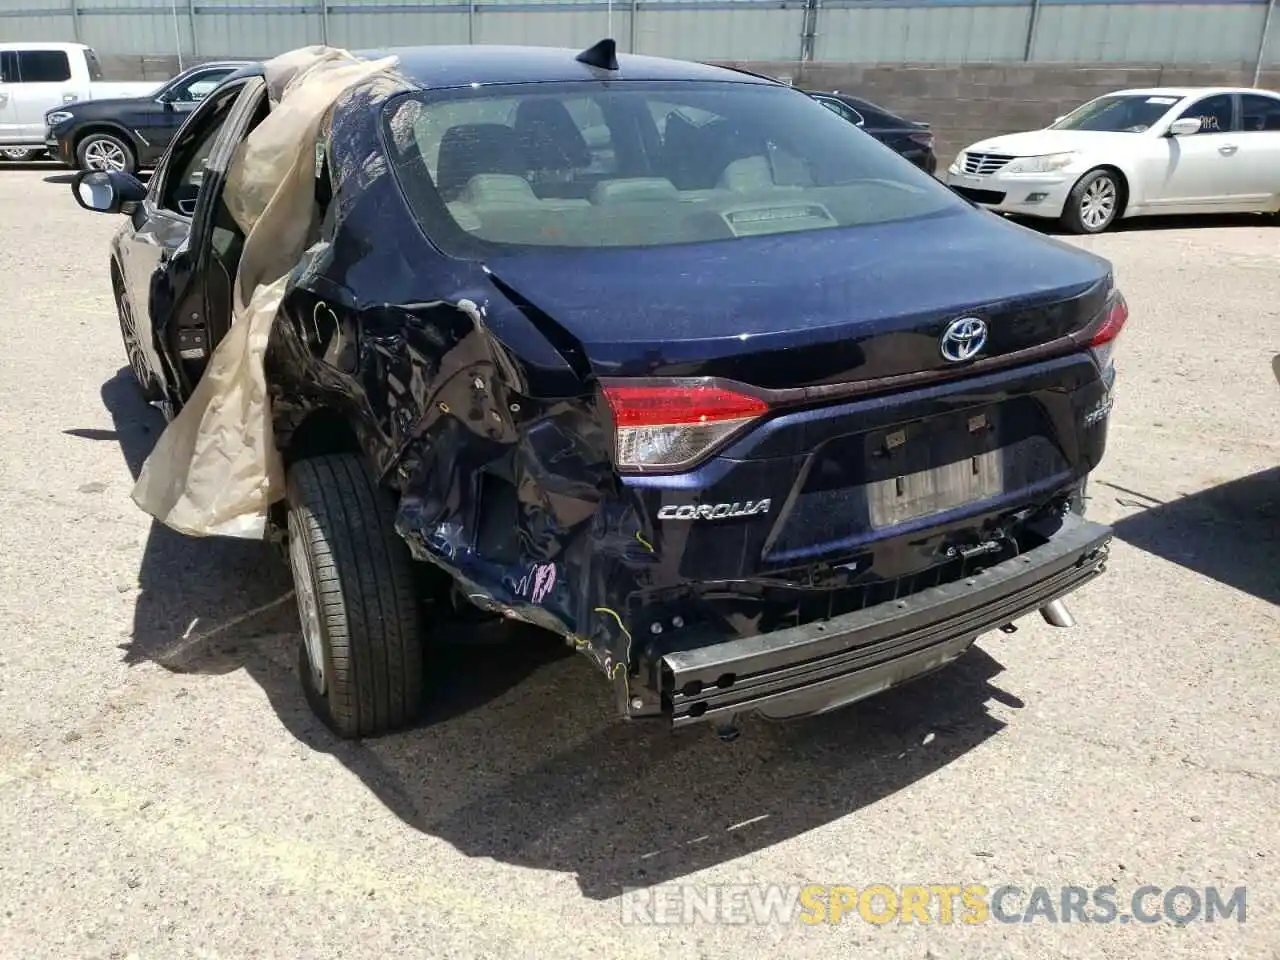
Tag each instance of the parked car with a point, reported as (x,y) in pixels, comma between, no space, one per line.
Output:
(132,132)
(38,77)
(911,138)
(1164,150)
(756,415)
(20,154)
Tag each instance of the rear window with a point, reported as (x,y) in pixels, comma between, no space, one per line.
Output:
(43,66)
(588,165)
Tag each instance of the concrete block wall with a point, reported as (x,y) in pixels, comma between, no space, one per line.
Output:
(963,103)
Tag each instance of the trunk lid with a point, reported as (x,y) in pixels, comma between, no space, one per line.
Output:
(807,309)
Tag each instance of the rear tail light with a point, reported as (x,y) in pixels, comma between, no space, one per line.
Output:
(672,424)
(1103,341)
(924,139)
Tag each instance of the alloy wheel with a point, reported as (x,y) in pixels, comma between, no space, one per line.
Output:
(304,588)
(104,155)
(132,345)
(1098,205)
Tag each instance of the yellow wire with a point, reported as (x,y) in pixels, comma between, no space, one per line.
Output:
(615,616)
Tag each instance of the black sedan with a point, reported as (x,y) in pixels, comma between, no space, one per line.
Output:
(911,138)
(129,134)
(661,357)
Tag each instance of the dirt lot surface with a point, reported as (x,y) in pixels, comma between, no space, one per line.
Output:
(166,792)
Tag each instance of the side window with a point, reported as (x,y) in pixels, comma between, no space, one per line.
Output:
(8,67)
(199,86)
(591,123)
(662,112)
(1259,113)
(842,109)
(43,66)
(835,107)
(184,170)
(1214,113)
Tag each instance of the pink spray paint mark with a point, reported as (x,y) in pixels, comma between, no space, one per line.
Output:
(544,578)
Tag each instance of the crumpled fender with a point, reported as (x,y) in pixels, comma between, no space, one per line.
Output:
(512,495)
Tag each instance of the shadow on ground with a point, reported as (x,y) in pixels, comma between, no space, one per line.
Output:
(521,759)
(1230,533)
(1202,221)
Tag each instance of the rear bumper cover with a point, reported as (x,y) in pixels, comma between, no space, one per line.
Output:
(825,665)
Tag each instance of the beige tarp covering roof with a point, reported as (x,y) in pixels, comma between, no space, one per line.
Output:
(215,470)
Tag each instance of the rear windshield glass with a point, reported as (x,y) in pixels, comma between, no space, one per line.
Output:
(1118,114)
(587,165)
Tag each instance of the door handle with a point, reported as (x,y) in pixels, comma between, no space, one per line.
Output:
(1228,149)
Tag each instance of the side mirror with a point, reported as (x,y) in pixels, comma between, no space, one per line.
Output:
(1184,127)
(107,191)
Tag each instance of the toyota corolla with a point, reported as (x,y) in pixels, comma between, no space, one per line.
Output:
(665,358)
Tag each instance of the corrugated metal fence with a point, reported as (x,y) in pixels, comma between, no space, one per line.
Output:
(855,31)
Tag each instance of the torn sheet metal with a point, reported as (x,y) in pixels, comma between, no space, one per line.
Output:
(215,470)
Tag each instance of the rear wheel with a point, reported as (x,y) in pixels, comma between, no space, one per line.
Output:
(363,631)
(19,154)
(1093,203)
(105,151)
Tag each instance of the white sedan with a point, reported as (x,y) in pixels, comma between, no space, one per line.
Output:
(1134,153)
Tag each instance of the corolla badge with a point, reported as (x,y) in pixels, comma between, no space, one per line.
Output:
(963,339)
(714,511)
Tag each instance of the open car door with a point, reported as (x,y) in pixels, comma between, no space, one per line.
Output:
(190,301)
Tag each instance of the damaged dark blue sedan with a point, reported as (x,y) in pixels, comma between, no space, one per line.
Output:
(663,357)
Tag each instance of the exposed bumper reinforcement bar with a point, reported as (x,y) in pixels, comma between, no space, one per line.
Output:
(821,666)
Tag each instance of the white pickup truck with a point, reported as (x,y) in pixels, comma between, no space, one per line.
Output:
(37,77)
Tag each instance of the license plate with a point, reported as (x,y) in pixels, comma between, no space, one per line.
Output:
(914,495)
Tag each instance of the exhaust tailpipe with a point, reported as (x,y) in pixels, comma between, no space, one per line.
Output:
(1055,613)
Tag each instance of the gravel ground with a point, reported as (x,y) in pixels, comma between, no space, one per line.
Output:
(167,794)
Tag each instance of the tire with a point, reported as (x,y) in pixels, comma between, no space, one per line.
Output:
(105,151)
(19,154)
(359,610)
(146,381)
(1093,203)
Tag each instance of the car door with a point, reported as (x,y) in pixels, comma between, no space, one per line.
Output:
(44,83)
(167,257)
(1200,172)
(1260,149)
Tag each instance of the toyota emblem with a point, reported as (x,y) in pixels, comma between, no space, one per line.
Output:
(963,339)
